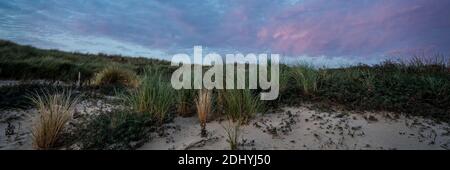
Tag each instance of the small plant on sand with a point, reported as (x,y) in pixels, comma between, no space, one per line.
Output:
(115,75)
(239,106)
(203,104)
(154,97)
(54,111)
(306,77)
(233,132)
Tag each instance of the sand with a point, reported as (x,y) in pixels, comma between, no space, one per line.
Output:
(15,129)
(15,125)
(295,128)
(301,128)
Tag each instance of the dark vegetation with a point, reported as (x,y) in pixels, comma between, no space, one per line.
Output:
(116,130)
(414,88)
(17,96)
(20,62)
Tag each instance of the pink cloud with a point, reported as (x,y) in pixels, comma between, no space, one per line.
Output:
(369,29)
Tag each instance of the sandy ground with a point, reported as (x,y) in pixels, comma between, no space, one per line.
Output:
(303,128)
(293,128)
(15,128)
(15,125)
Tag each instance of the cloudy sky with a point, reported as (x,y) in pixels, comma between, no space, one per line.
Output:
(353,30)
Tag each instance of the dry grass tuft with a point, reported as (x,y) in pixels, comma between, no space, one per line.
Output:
(203,104)
(54,111)
(115,75)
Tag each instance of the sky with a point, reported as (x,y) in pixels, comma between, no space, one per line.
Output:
(333,31)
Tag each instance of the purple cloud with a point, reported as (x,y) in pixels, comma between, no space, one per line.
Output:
(292,27)
(358,27)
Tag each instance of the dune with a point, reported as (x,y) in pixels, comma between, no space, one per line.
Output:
(302,128)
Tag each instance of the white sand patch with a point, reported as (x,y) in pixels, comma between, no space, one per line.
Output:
(303,128)
(295,128)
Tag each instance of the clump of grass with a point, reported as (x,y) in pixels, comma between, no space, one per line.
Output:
(153,97)
(185,103)
(54,111)
(306,77)
(239,106)
(203,104)
(115,75)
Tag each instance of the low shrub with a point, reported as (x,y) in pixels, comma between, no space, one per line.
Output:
(389,87)
(115,130)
